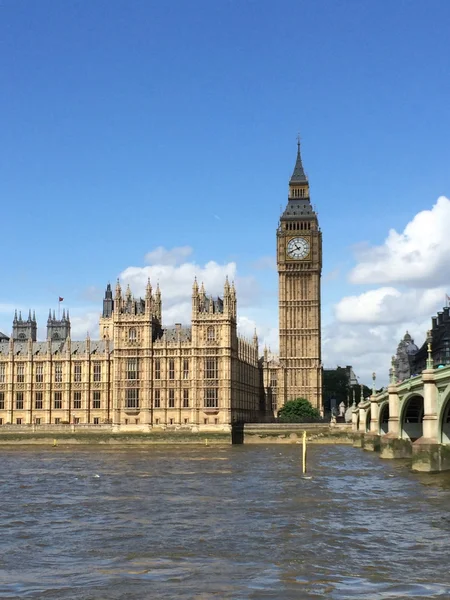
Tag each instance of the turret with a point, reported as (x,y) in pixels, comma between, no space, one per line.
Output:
(108,302)
(158,303)
(195,298)
(233,303)
(24,330)
(58,330)
(226,295)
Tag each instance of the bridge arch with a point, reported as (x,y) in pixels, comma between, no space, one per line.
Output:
(444,422)
(383,418)
(411,417)
(367,424)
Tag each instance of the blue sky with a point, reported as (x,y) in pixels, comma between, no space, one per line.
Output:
(126,126)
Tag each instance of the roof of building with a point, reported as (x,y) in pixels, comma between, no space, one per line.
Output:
(298,176)
(41,348)
(3,337)
(298,208)
(177,333)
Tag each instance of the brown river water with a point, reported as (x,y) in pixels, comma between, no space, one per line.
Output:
(211,522)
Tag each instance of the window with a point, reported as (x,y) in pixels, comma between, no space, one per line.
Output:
(37,421)
(77,372)
(216,421)
(97,371)
(185,398)
(2,400)
(57,421)
(186,368)
(58,400)
(157,368)
(157,398)
(273,380)
(211,399)
(186,421)
(126,421)
(210,334)
(96,400)
(96,420)
(171,398)
(170,421)
(20,373)
(2,372)
(156,421)
(211,368)
(38,401)
(19,400)
(132,398)
(136,421)
(205,421)
(77,399)
(39,373)
(132,335)
(76,420)
(132,368)
(58,373)
(171,369)
(18,421)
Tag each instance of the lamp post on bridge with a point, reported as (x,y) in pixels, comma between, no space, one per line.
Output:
(374,376)
(430,364)
(392,373)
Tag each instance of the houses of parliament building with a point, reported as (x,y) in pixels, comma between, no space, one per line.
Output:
(204,376)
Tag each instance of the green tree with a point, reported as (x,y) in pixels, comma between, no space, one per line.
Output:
(335,385)
(298,411)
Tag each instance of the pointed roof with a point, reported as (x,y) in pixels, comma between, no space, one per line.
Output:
(298,176)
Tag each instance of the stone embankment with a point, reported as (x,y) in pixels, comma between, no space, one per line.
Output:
(253,433)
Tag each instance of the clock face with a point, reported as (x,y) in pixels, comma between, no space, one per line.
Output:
(298,248)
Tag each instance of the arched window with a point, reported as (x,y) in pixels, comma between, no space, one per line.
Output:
(132,335)
(210,334)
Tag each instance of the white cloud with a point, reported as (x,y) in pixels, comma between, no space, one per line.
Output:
(413,268)
(176,279)
(83,322)
(388,305)
(161,256)
(418,257)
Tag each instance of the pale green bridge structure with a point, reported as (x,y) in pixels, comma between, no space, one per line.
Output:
(410,419)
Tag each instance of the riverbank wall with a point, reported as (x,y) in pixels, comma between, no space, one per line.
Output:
(252,433)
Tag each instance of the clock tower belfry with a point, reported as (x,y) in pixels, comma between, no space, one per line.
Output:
(299,263)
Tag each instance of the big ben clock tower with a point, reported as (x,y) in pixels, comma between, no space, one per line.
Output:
(299,262)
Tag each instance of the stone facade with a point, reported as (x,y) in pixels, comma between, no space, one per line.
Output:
(140,373)
(439,337)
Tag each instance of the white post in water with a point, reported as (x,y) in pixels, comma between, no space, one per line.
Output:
(304,452)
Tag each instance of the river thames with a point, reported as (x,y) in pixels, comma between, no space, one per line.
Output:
(234,522)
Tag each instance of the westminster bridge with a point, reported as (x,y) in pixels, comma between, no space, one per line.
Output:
(409,419)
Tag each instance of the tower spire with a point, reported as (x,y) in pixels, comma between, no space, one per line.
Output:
(298,176)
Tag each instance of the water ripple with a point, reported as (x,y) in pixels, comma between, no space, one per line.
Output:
(228,523)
